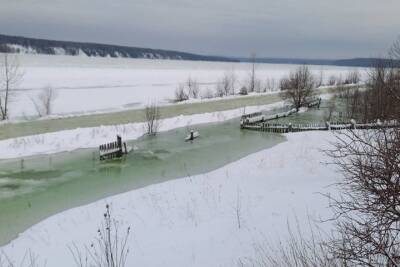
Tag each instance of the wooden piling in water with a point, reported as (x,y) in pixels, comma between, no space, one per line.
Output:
(112,150)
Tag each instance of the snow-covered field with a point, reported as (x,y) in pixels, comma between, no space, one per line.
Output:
(194,221)
(108,84)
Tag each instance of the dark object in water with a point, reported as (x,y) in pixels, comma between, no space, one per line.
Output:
(192,136)
(114,150)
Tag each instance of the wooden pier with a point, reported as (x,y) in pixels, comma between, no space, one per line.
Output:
(315,103)
(255,118)
(258,117)
(260,122)
(327,126)
(113,150)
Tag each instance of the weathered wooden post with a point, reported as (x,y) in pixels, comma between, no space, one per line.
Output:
(22,164)
(126,150)
(328,125)
(353,124)
(119,144)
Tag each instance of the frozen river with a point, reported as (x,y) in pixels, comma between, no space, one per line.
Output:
(109,84)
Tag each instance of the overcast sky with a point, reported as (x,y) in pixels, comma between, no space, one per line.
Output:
(270,28)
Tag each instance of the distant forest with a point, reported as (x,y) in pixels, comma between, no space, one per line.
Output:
(49,47)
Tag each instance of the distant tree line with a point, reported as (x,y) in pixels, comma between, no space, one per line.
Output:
(51,47)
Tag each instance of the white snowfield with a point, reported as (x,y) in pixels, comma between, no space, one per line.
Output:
(87,85)
(193,221)
(91,137)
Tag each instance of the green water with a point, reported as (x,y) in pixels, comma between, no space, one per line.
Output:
(35,188)
(314,115)
(130,116)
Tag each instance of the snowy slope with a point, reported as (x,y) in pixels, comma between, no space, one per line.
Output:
(193,221)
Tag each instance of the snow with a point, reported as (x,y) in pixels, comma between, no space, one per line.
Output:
(91,137)
(192,221)
(186,222)
(90,84)
(22,49)
(59,50)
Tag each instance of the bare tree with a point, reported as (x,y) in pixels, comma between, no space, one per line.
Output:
(10,75)
(152,118)
(394,56)
(180,94)
(258,86)
(353,77)
(110,248)
(45,100)
(298,249)
(226,86)
(193,88)
(298,87)
(30,259)
(220,89)
(243,91)
(339,80)
(352,98)
(232,81)
(207,93)
(252,82)
(382,97)
(270,84)
(367,213)
(320,81)
(332,80)
(394,52)
(330,109)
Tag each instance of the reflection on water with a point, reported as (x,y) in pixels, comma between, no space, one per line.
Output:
(34,175)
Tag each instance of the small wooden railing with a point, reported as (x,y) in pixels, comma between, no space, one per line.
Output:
(289,128)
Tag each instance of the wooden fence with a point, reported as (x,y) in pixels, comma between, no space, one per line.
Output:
(113,150)
(314,103)
(290,128)
(258,117)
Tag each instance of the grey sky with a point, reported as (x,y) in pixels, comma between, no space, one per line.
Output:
(273,28)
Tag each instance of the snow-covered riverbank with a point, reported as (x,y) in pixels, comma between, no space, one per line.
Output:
(194,221)
(90,137)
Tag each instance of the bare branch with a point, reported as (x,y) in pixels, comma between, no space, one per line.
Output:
(152,117)
(44,102)
(298,87)
(10,76)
